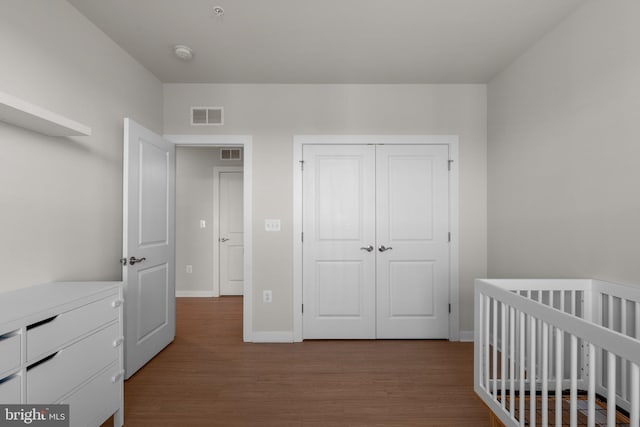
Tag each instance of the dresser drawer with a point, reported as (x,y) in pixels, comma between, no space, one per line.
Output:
(52,378)
(9,352)
(10,389)
(97,400)
(45,337)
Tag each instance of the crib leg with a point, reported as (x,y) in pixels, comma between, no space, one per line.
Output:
(494,421)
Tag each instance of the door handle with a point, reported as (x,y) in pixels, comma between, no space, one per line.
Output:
(383,248)
(222,239)
(367,248)
(134,260)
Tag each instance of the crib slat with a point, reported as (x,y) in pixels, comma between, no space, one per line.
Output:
(545,374)
(522,368)
(486,318)
(480,363)
(591,397)
(611,389)
(623,365)
(635,379)
(494,371)
(503,353)
(538,338)
(512,360)
(610,322)
(635,393)
(559,368)
(573,420)
(532,370)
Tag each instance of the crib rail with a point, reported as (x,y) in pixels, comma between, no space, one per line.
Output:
(539,340)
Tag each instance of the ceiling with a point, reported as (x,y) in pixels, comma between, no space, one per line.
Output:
(328,41)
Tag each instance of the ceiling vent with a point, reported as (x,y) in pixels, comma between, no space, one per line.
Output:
(207,116)
(231,154)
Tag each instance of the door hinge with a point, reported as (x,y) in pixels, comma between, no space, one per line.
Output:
(303,308)
(449,164)
(449,237)
(302,236)
(301,165)
(449,308)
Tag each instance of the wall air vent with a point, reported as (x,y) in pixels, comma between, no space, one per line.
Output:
(207,116)
(231,154)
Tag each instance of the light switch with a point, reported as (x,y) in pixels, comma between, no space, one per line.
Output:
(272,225)
(203,223)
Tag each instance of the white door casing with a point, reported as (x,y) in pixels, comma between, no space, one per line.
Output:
(412,226)
(339,235)
(148,236)
(230,241)
(246,143)
(416,279)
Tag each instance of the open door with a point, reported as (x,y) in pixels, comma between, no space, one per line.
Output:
(148,242)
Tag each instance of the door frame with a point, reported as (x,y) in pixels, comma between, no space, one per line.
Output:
(246,142)
(216,221)
(451,140)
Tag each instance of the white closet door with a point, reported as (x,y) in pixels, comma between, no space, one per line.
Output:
(338,216)
(412,208)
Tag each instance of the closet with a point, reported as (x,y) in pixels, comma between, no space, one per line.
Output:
(375,241)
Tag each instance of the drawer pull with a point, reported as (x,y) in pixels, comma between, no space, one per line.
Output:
(118,341)
(117,377)
(117,303)
(42,322)
(41,361)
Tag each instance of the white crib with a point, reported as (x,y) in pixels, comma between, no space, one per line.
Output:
(558,352)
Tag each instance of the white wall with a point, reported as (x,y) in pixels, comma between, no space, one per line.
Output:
(61,198)
(564,150)
(272,114)
(194,201)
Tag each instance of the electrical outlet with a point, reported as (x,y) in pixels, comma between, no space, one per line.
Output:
(189,269)
(267,296)
(203,223)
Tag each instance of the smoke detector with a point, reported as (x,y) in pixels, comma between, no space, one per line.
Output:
(218,10)
(183,52)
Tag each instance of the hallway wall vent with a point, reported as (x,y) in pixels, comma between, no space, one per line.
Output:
(231,154)
(207,116)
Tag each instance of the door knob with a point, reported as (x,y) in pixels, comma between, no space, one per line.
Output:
(134,260)
(222,239)
(383,248)
(367,248)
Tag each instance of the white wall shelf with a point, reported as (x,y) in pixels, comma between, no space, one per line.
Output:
(17,112)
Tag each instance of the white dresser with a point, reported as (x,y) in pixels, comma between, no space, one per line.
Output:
(63,343)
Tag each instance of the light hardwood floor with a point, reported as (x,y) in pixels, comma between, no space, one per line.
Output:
(209,377)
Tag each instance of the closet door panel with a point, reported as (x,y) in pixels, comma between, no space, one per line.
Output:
(412,211)
(338,215)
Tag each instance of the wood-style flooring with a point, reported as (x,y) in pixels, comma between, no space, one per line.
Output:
(209,377)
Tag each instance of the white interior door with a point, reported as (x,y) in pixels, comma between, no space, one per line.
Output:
(231,246)
(375,249)
(148,244)
(412,224)
(339,235)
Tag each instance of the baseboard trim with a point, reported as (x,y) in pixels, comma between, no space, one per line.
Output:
(194,294)
(466,336)
(272,337)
